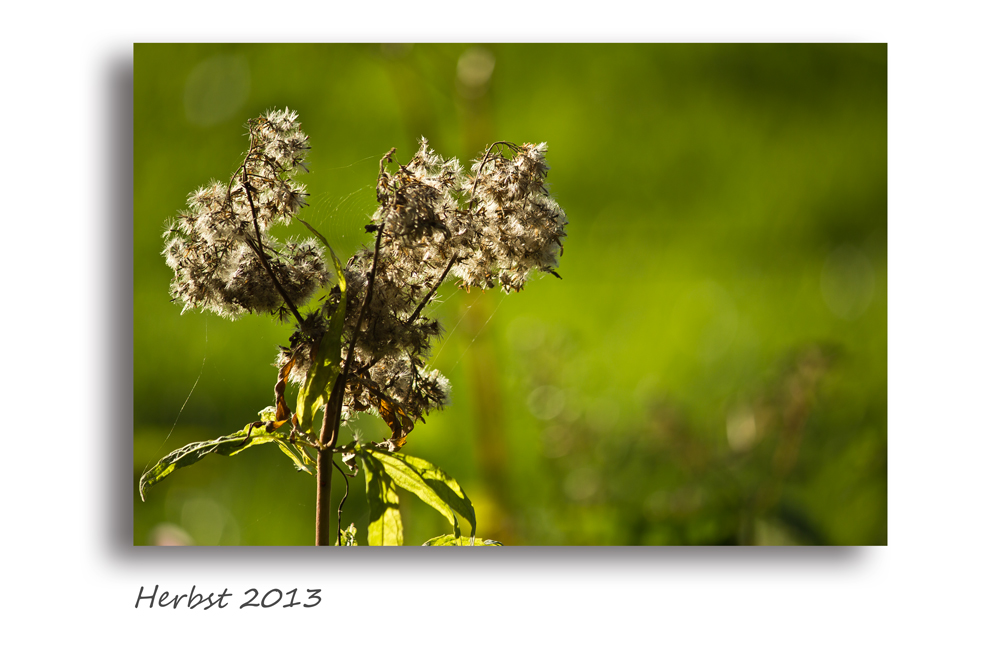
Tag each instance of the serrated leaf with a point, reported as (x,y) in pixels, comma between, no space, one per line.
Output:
(452,541)
(431,484)
(385,524)
(227,445)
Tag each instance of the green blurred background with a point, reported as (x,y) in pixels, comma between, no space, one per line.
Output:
(710,370)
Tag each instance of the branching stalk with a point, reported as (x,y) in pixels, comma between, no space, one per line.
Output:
(259,249)
(330,430)
(427,297)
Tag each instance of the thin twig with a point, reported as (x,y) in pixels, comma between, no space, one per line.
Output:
(429,294)
(262,256)
(368,299)
(340,508)
(482,162)
(336,401)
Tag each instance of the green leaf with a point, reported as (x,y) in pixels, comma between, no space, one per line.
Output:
(299,456)
(315,393)
(452,541)
(385,525)
(323,372)
(227,445)
(431,484)
(337,266)
(349,536)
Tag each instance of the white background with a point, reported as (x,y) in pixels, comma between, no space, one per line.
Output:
(70,578)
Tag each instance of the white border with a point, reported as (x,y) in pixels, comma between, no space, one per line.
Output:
(925,597)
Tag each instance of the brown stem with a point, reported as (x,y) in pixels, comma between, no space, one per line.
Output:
(368,299)
(330,430)
(324,475)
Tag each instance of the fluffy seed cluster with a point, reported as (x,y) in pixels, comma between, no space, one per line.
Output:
(434,221)
(516,224)
(223,258)
(486,227)
(498,220)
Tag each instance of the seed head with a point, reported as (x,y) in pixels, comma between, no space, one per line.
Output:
(223,258)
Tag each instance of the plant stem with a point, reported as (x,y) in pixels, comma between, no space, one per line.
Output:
(261,255)
(324,478)
(330,431)
(329,434)
(340,507)
(430,293)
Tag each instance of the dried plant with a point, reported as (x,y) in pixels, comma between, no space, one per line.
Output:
(364,346)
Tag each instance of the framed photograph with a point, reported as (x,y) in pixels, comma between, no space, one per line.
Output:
(510,294)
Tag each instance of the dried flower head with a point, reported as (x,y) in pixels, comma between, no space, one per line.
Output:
(519,227)
(507,226)
(489,226)
(364,348)
(222,256)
